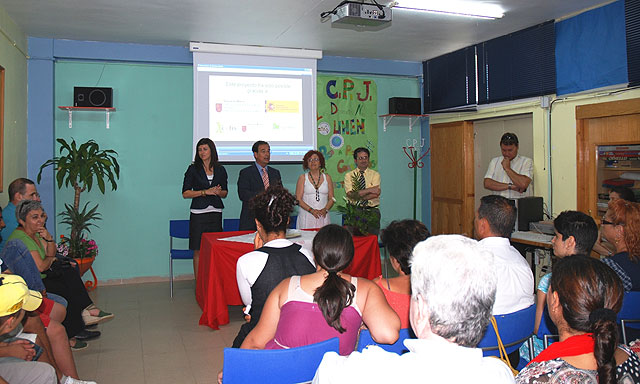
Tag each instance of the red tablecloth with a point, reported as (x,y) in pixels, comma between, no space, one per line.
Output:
(216,284)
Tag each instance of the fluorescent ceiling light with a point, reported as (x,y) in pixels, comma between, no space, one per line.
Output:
(452,7)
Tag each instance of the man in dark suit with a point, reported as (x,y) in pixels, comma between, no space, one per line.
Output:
(255,179)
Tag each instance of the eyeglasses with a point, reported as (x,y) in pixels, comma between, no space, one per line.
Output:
(363,158)
(314,160)
(607,222)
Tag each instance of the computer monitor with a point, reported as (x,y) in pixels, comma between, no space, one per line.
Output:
(529,210)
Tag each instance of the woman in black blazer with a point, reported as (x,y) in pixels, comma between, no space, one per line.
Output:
(205,182)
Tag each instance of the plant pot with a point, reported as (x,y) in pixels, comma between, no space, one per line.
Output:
(84,264)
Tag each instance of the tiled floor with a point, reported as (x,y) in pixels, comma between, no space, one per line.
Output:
(154,339)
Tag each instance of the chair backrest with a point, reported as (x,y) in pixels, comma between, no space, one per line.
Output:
(294,365)
(179,229)
(515,328)
(293,222)
(546,326)
(230,225)
(398,347)
(630,307)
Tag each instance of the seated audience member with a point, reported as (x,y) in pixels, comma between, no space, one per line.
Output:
(605,248)
(17,356)
(399,238)
(275,258)
(621,227)
(62,281)
(575,234)
(453,285)
(493,225)
(15,299)
(308,309)
(623,193)
(19,189)
(584,298)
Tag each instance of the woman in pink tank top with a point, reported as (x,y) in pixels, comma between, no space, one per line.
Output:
(399,238)
(308,309)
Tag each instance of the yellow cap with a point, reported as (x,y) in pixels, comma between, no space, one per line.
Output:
(15,295)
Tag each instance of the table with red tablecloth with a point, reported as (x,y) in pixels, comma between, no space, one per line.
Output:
(216,286)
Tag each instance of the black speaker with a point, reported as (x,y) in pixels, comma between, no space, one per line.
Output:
(404,105)
(92,97)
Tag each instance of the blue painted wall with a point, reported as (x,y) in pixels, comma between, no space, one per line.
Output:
(151,130)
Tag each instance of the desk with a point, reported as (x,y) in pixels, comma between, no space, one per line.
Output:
(539,240)
(216,284)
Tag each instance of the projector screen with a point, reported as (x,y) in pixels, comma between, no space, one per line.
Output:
(240,99)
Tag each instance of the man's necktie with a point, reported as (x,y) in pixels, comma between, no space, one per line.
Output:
(265,178)
(361,183)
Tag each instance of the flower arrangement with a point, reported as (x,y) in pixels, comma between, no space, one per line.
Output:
(78,248)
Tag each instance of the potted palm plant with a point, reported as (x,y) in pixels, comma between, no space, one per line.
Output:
(81,167)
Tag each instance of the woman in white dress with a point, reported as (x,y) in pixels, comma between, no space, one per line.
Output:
(314,192)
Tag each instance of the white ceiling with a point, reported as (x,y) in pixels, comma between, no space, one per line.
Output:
(274,23)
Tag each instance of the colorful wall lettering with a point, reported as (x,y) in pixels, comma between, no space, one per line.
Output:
(347,119)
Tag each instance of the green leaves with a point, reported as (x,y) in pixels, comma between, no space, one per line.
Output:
(80,220)
(80,166)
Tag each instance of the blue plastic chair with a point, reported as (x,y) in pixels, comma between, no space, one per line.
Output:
(293,222)
(629,313)
(294,365)
(547,330)
(230,225)
(180,230)
(515,328)
(398,347)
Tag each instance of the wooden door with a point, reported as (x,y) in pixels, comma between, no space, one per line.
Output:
(612,123)
(452,192)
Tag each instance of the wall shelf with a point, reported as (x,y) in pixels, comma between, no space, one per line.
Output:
(70,109)
(413,119)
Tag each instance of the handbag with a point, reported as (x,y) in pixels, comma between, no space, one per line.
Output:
(58,268)
(503,352)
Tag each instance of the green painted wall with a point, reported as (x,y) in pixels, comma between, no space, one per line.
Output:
(14,152)
(151,130)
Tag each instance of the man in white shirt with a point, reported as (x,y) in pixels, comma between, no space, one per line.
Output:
(509,175)
(494,221)
(453,285)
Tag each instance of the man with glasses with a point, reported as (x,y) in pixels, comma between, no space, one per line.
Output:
(362,186)
(19,189)
(509,175)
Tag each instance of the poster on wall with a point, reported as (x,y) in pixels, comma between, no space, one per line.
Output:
(347,119)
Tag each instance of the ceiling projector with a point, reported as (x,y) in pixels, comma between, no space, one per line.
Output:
(361,14)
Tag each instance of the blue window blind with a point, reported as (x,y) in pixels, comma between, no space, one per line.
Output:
(632,29)
(517,65)
(450,80)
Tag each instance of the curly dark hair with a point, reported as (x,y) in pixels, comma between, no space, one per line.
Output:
(400,237)
(272,208)
(307,156)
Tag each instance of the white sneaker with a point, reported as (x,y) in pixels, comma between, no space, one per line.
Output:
(71,380)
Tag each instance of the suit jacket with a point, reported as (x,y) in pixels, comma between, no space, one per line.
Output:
(250,184)
(195,178)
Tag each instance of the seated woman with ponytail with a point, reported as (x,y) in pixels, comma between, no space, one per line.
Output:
(274,259)
(584,298)
(303,310)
